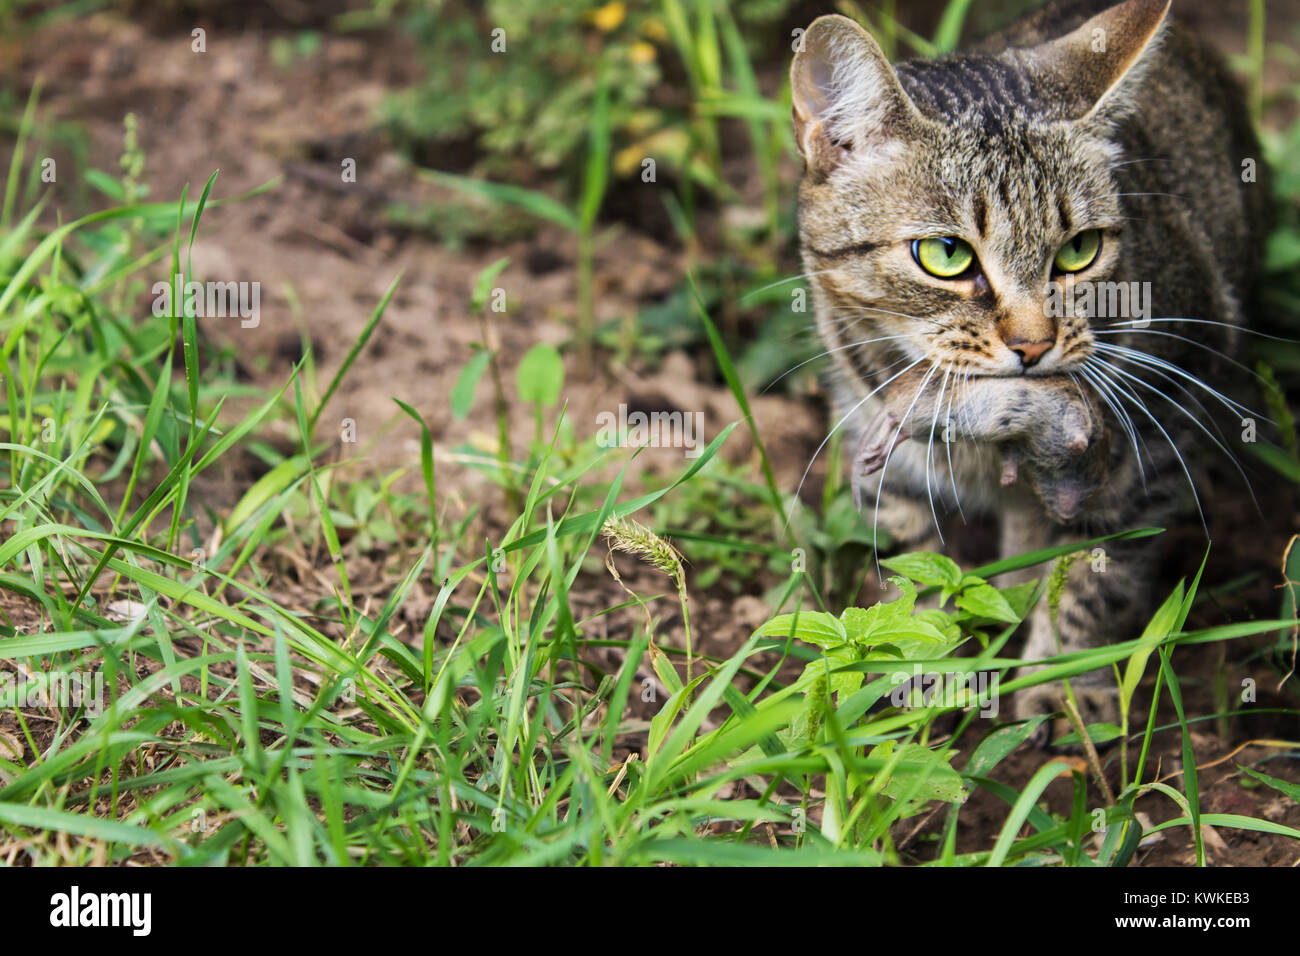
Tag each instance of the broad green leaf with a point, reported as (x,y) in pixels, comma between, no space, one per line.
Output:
(540,375)
(922,769)
(1020,597)
(861,623)
(811,627)
(942,622)
(925,568)
(462,393)
(998,744)
(984,600)
(910,636)
(846,683)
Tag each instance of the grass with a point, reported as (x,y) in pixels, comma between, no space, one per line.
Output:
(250,722)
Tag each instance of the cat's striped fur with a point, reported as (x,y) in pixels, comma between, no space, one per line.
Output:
(1080,117)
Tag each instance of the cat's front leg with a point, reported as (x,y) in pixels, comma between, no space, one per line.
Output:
(1102,601)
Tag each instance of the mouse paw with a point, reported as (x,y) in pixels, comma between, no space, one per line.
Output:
(881,436)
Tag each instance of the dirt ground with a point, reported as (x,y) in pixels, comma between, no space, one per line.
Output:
(325,255)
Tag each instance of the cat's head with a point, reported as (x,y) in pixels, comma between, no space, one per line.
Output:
(942,198)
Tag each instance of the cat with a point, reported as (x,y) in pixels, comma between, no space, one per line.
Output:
(949,212)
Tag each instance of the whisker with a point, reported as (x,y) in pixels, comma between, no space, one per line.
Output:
(1226,325)
(1181,338)
(1183,388)
(1151,361)
(1151,159)
(901,315)
(838,348)
(1141,406)
(772,285)
(947,425)
(1195,421)
(1099,385)
(1074,380)
(1103,381)
(929,449)
(838,321)
(875,518)
(963,410)
(1167,195)
(837,427)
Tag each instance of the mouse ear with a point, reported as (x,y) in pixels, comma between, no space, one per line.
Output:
(1089,68)
(847,98)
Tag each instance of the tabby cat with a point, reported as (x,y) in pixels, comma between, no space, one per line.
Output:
(971,227)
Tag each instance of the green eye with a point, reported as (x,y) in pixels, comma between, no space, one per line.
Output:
(1077,254)
(946,257)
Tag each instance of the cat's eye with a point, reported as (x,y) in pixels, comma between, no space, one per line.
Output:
(1079,253)
(946,257)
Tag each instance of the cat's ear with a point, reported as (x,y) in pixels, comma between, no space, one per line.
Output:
(847,97)
(1088,67)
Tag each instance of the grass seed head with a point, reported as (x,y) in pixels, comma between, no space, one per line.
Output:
(632,537)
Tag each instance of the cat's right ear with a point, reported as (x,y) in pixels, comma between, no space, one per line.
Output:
(847,98)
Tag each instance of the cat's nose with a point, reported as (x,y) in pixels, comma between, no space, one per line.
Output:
(1027,329)
(1029,352)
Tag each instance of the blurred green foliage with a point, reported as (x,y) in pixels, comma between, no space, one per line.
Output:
(526,95)
(529,97)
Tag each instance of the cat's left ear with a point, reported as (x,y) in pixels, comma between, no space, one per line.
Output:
(1088,68)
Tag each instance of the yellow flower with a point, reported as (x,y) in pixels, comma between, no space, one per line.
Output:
(609,16)
(641,52)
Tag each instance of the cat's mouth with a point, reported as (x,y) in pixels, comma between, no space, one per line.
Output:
(1053,367)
